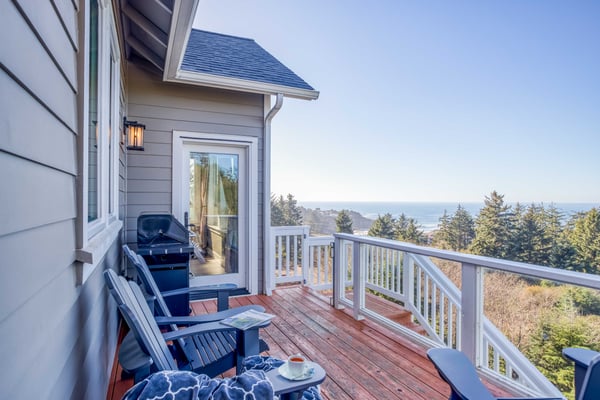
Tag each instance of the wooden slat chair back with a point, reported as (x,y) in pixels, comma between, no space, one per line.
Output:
(148,281)
(140,320)
(210,348)
(220,291)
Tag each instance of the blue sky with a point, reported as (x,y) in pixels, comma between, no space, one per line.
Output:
(431,101)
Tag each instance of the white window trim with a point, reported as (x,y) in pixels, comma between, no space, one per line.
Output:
(100,234)
(251,144)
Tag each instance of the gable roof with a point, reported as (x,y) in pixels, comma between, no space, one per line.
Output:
(232,62)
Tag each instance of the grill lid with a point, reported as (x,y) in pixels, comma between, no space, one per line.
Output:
(160,229)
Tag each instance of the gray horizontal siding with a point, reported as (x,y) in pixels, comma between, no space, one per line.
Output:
(68,17)
(23,206)
(58,338)
(163,108)
(36,246)
(42,15)
(50,87)
(34,132)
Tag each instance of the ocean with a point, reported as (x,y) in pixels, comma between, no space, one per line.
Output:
(427,214)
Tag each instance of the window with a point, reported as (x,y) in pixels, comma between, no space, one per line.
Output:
(92,134)
(100,158)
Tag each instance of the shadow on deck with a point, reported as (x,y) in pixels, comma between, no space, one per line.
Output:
(363,360)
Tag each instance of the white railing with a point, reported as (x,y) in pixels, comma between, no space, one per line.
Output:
(404,272)
(296,257)
(287,254)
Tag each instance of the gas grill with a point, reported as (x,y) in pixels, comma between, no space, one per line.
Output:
(165,245)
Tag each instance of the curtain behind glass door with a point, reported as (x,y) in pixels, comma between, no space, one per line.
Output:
(213,215)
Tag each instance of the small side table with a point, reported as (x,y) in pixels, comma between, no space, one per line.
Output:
(292,390)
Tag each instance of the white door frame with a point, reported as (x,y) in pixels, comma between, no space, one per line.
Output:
(250,145)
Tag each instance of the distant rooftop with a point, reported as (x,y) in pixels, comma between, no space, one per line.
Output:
(236,57)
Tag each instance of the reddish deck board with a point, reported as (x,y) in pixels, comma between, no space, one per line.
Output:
(363,360)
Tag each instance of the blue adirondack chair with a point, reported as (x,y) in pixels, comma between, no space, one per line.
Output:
(456,369)
(587,372)
(209,348)
(135,362)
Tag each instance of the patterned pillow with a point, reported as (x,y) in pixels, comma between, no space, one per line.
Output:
(187,385)
(251,384)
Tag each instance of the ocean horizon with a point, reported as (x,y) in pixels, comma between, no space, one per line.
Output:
(427,214)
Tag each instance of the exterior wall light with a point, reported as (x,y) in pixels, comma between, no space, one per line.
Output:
(134,134)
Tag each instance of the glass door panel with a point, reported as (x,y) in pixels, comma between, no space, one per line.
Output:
(215,208)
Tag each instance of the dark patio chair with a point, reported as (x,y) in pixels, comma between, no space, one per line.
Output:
(210,348)
(220,291)
(456,369)
(134,361)
(587,372)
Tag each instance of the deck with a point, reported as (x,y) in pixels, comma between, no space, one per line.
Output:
(363,360)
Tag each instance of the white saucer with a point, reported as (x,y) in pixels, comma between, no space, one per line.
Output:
(308,372)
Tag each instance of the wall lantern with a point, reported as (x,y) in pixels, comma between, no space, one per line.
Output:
(134,134)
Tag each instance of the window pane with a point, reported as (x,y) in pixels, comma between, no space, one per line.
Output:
(214,190)
(111,128)
(93,115)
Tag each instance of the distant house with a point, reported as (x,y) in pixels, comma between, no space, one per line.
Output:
(71,73)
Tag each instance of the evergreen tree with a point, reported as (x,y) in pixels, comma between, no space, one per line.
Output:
(414,233)
(383,227)
(585,239)
(343,222)
(441,237)
(461,230)
(492,229)
(529,237)
(408,230)
(285,211)
(291,211)
(277,218)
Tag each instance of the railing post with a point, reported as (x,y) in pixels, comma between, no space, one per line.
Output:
(408,277)
(306,267)
(338,274)
(358,281)
(472,312)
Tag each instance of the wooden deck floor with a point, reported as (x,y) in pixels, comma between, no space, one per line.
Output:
(363,360)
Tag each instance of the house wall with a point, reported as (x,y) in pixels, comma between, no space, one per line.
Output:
(165,107)
(57,338)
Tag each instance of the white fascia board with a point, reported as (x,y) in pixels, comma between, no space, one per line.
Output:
(243,85)
(181,26)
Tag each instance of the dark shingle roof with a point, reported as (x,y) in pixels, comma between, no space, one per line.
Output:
(236,57)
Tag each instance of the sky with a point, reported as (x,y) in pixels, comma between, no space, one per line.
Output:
(431,101)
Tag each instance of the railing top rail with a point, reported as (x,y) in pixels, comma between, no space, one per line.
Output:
(287,229)
(320,240)
(536,271)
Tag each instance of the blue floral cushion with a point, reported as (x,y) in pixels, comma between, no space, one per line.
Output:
(186,385)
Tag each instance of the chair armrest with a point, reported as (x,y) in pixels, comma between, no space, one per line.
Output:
(201,319)
(221,292)
(207,328)
(582,357)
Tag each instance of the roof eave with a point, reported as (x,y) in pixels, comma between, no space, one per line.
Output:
(181,26)
(243,85)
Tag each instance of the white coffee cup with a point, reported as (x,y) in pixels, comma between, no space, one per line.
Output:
(296,364)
